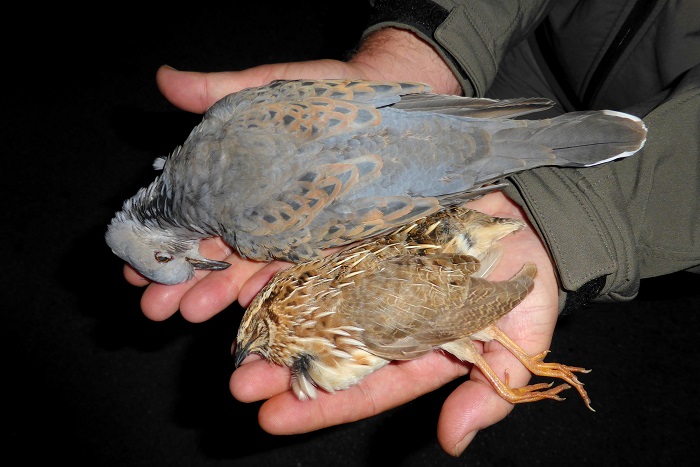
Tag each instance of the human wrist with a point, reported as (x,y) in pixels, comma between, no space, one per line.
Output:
(400,55)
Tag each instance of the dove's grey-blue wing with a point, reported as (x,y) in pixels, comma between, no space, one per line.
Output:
(288,169)
(303,147)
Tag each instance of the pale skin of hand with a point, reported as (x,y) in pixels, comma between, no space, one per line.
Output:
(388,55)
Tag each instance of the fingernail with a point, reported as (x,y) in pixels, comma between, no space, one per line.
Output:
(462,445)
(169,67)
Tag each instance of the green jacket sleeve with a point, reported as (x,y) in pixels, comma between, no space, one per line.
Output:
(634,218)
(609,226)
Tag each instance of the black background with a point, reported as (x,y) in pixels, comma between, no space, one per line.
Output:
(87,378)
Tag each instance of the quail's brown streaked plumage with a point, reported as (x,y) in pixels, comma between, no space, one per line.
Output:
(337,319)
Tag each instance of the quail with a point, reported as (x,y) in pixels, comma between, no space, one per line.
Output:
(285,170)
(423,287)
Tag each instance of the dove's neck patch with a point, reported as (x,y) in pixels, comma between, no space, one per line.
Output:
(152,207)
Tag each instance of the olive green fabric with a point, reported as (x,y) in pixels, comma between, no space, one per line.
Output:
(634,218)
(623,221)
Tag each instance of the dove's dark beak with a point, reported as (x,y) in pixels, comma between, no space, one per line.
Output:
(208,264)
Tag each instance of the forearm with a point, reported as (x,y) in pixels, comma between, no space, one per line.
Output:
(399,54)
(629,219)
(470,37)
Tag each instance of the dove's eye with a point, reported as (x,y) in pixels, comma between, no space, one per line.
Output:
(163,257)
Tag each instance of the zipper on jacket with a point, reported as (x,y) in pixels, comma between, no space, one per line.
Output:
(639,13)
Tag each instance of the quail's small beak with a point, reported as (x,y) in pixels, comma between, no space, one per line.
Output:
(208,264)
(240,354)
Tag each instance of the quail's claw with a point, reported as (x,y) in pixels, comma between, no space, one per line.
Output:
(531,393)
(537,366)
(534,392)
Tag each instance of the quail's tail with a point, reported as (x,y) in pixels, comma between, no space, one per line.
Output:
(492,300)
(505,295)
(575,139)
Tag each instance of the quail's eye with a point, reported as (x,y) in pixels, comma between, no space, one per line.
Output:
(163,257)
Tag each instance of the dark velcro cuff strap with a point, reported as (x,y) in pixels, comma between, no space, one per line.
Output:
(581,297)
(423,15)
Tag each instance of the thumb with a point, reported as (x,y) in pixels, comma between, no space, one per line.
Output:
(196,91)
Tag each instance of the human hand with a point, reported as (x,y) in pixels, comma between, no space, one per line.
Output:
(389,55)
(472,406)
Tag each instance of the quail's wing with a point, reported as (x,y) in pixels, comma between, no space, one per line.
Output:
(412,304)
(403,299)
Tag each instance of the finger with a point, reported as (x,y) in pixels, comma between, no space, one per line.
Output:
(471,407)
(258,280)
(214,291)
(256,379)
(196,92)
(390,387)
(475,404)
(498,204)
(217,290)
(159,301)
(133,277)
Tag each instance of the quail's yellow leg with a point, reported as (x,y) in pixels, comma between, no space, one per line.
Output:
(467,351)
(537,366)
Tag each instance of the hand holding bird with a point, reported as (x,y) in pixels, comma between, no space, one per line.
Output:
(472,406)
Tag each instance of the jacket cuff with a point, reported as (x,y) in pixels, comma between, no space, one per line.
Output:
(589,240)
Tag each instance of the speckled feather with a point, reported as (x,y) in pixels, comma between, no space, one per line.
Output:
(335,320)
(288,169)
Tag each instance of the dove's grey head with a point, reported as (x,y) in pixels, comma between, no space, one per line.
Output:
(155,253)
(160,250)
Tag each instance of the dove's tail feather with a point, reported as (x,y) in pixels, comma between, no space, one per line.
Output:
(473,107)
(575,139)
